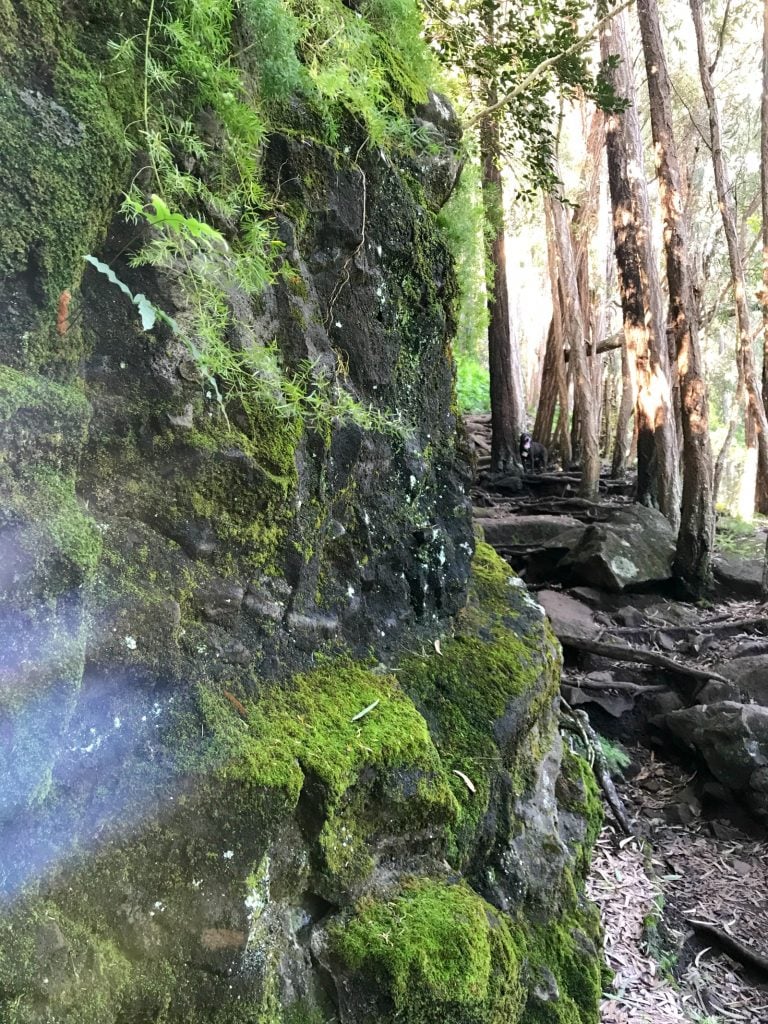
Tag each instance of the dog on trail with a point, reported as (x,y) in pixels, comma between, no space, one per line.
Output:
(532,454)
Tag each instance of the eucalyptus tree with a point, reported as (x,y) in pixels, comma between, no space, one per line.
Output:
(695,537)
(647,378)
(727,206)
(517,58)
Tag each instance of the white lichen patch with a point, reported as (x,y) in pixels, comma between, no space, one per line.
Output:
(517,583)
(624,567)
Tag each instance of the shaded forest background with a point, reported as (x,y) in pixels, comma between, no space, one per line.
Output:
(734,37)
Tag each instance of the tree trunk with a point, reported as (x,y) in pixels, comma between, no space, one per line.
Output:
(573,323)
(561,435)
(543,428)
(623,441)
(761,497)
(644,328)
(756,409)
(506,417)
(697,521)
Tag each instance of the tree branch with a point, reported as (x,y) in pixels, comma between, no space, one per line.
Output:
(545,65)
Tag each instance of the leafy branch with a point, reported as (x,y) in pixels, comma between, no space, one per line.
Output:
(536,73)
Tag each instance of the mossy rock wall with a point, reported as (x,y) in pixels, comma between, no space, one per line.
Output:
(249,701)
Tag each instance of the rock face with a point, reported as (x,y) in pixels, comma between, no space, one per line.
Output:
(227,795)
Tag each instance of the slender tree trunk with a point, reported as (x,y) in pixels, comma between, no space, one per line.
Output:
(644,328)
(761,496)
(543,428)
(555,345)
(756,409)
(573,322)
(506,418)
(623,439)
(697,521)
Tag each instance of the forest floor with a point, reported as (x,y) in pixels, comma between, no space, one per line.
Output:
(693,852)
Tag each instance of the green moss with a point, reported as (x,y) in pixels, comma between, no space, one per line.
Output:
(438,952)
(38,945)
(44,398)
(307,732)
(568,951)
(60,542)
(62,159)
(577,791)
(312,723)
(501,666)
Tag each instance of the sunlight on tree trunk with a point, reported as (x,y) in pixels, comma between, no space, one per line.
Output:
(761,494)
(573,323)
(644,329)
(697,520)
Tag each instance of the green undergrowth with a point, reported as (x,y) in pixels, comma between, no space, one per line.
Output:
(738,537)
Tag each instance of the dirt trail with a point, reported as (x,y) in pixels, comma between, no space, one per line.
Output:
(647,890)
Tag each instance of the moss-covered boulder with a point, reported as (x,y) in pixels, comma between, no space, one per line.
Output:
(266,754)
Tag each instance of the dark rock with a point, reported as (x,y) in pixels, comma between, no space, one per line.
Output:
(198,539)
(503,482)
(738,577)
(750,678)
(630,616)
(511,531)
(636,547)
(732,739)
(322,626)
(219,601)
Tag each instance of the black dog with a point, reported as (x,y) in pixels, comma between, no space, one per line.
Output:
(532,454)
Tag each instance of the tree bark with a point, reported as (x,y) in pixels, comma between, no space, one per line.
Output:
(697,520)
(761,495)
(543,428)
(560,434)
(506,415)
(755,406)
(622,440)
(575,335)
(644,328)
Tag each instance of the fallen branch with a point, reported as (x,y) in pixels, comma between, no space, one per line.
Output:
(640,656)
(724,626)
(735,949)
(621,685)
(577,721)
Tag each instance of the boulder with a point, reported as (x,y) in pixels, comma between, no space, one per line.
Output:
(750,678)
(544,531)
(732,738)
(568,616)
(740,577)
(634,548)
